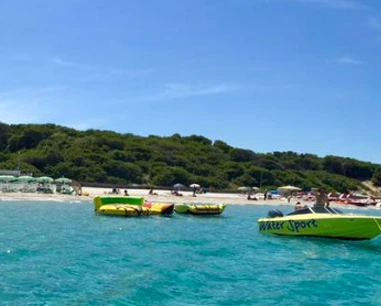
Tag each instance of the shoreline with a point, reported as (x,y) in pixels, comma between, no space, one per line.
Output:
(159,196)
(165,196)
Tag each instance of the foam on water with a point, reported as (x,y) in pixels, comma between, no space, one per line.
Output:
(53,253)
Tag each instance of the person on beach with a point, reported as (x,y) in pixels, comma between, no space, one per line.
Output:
(249,197)
(176,193)
(126,192)
(321,198)
(151,192)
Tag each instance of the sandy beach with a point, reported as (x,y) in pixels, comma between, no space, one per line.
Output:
(160,196)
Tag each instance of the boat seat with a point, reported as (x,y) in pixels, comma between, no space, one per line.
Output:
(273,213)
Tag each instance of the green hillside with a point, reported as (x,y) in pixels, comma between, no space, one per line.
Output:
(95,156)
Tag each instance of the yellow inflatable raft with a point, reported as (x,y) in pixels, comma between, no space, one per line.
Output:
(130,207)
(123,210)
(200,209)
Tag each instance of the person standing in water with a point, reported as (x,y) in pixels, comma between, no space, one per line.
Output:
(321,198)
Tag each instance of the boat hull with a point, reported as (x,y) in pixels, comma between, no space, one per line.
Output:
(126,210)
(353,227)
(123,210)
(200,209)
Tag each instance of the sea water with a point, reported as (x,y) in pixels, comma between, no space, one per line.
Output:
(55,253)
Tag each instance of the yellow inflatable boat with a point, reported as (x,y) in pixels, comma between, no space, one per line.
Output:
(130,207)
(200,209)
(123,210)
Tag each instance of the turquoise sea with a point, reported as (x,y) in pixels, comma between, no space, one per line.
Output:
(56,253)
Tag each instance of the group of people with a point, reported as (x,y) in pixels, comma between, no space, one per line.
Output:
(125,192)
(322,200)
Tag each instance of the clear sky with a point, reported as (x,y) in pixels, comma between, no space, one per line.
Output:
(265,75)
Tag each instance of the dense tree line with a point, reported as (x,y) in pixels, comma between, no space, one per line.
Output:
(95,156)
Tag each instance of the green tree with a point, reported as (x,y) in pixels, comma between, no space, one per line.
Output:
(376,178)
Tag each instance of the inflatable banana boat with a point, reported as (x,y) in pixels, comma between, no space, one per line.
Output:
(160,208)
(200,209)
(130,207)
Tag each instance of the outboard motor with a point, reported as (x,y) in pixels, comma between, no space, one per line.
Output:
(273,213)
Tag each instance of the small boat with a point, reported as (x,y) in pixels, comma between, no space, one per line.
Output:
(200,209)
(321,221)
(130,207)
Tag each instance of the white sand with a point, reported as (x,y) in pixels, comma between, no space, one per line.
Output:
(166,196)
(162,196)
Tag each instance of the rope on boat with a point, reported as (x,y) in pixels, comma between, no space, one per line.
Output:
(379,227)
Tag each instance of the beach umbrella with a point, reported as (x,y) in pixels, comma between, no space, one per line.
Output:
(244,188)
(178,185)
(45,179)
(194,186)
(25,179)
(7,178)
(254,189)
(63,180)
(289,188)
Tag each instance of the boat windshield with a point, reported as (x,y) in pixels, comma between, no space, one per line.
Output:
(316,210)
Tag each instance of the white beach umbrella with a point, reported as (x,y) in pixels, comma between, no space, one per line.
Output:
(194,186)
(178,185)
(45,179)
(25,179)
(7,178)
(244,188)
(289,188)
(63,180)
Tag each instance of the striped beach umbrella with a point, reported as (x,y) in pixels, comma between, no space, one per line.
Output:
(244,188)
(25,179)
(63,180)
(7,178)
(45,179)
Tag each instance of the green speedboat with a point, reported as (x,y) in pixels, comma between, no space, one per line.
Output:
(321,222)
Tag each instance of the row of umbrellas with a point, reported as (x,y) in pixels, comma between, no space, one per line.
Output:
(178,185)
(287,188)
(30,179)
(283,188)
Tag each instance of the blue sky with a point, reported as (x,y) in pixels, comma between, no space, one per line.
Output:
(265,75)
